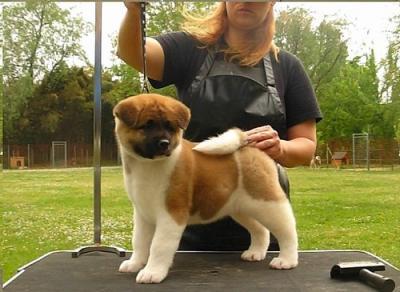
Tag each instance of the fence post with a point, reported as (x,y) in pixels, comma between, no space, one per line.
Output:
(354,152)
(29,156)
(327,155)
(8,156)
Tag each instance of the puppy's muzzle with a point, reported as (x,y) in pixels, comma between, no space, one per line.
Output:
(156,148)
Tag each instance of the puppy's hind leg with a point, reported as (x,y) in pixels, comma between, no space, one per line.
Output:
(279,219)
(141,239)
(259,237)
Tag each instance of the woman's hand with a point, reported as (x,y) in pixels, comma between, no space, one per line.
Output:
(267,140)
(131,4)
(297,150)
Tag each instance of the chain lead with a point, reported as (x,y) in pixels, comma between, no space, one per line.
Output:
(145,86)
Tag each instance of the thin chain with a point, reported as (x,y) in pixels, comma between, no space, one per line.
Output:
(145,86)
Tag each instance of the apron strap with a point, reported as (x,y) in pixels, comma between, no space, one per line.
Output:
(207,64)
(271,84)
(269,72)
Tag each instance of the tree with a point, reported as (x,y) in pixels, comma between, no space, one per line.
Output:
(390,89)
(396,33)
(347,90)
(351,102)
(15,96)
(38,37)
(294,33)
(164,17)
(167,16)
(322,48)
(62,99)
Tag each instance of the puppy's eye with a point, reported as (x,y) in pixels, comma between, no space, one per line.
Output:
(148,125)
(169,127)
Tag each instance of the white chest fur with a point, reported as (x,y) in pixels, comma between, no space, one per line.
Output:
(146,182)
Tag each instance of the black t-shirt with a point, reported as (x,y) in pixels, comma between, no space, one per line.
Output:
(184,57)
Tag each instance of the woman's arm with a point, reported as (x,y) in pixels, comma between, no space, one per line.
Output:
(129,47)
(299,149)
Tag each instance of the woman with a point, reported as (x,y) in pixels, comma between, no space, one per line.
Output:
(228,71)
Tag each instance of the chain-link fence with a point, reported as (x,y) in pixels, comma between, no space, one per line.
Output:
(383,153)
(361,152)
(55,155)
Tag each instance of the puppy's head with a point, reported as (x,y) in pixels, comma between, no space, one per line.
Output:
(150,125)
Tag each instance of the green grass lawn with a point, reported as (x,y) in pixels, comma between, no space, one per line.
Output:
(47,210)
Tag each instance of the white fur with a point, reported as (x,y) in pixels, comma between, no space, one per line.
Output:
(226,143)
(156,235)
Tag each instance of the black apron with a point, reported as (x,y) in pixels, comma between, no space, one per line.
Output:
(225,95)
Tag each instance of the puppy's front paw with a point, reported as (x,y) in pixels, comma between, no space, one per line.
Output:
(254,255)
(281,263)
(130,266)
(148,276)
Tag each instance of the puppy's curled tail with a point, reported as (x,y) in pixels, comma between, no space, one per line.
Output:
(226,143)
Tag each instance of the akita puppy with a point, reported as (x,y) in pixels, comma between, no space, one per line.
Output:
(173,182)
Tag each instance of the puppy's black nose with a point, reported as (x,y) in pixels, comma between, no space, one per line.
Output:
(163,144)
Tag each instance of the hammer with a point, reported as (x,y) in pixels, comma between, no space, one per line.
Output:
(365,272)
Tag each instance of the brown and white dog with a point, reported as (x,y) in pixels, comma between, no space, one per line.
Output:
(316,162)
(173,182)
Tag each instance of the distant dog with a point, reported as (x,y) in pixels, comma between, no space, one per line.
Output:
(315,162)
(173,182)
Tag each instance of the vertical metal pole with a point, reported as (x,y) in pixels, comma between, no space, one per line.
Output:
(97,126)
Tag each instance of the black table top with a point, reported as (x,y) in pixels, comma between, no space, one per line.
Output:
(192,271)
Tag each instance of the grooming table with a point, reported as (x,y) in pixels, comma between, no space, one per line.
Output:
(192,271)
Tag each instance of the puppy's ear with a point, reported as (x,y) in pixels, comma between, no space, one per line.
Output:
(183,115)
(127,112)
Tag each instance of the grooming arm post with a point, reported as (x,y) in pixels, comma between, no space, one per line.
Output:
(97,129)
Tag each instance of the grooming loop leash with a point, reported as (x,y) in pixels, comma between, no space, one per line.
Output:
(145,85)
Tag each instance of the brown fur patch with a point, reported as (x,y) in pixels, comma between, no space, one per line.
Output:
(137,110)
(215,178)
(200,184)
(259,174)
(127,136)
(180,190)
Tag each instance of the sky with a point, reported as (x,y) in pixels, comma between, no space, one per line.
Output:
(369,28)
